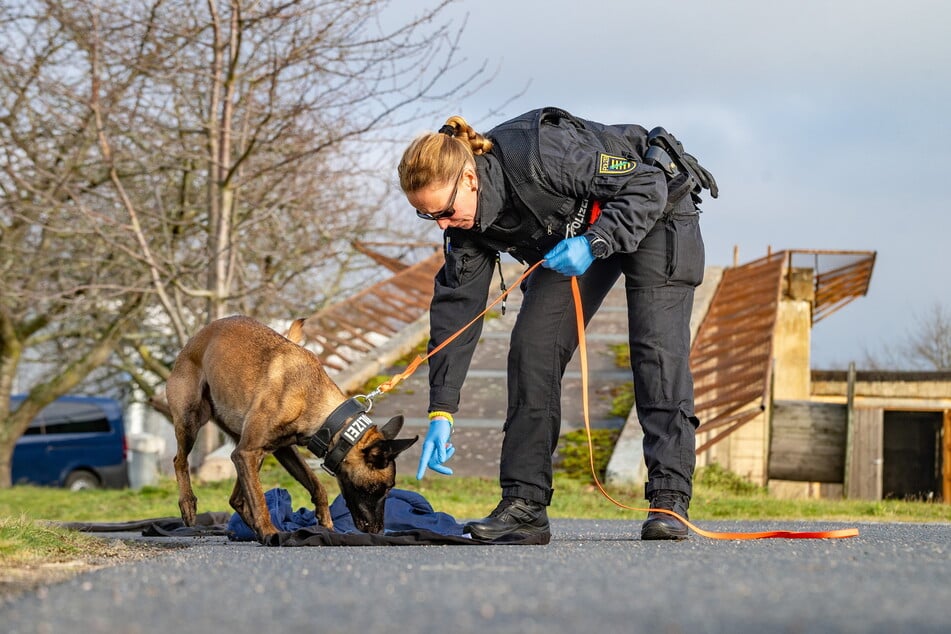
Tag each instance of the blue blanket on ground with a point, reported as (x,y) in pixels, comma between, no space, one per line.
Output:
(409,520)
(405,511)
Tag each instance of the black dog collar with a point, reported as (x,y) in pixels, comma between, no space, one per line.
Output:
(350,417)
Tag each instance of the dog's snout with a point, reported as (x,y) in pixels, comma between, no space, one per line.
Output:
(368,526)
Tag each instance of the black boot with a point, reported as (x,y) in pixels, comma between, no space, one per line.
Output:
(661,525)
(512,519)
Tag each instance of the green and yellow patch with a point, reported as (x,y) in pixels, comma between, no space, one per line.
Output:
(616,165)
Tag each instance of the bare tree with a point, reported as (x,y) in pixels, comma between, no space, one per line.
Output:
(926,347)
(929,346)
(167,164)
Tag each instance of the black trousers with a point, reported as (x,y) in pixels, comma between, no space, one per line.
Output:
(660,278)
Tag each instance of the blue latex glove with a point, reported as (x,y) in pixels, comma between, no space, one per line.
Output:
(571,256)
(436,448)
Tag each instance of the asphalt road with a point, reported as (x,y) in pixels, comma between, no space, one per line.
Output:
(595,576)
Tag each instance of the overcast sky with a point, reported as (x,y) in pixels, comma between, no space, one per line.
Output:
(825,123)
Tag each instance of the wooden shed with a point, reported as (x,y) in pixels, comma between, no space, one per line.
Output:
(897,432)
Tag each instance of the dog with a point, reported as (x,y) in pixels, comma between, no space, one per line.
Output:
(270,394)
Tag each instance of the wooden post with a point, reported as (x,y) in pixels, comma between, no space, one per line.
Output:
(865,479)
(849,418)
(946,458)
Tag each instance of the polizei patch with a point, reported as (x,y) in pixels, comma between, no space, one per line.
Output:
(617,165)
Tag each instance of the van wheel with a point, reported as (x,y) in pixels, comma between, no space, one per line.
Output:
(78,480)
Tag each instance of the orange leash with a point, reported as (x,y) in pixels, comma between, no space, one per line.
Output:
(579,314)
(388,385)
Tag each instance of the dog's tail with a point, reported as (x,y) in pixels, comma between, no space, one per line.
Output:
(295,332)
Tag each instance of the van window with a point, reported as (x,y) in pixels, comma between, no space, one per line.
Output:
(73,418)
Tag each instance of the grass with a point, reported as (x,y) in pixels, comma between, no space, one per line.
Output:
(22,539)
(33,553)
(718,494)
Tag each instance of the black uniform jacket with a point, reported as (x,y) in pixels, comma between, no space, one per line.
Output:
(537,186)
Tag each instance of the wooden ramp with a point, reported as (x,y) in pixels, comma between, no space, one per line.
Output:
(732,355)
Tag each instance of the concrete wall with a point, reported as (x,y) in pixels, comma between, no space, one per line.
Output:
(888,390)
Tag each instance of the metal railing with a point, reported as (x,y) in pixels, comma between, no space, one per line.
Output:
(839,277)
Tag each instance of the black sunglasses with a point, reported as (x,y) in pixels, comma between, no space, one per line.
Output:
(447,211)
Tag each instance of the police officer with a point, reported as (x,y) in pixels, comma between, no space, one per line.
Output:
(594,201)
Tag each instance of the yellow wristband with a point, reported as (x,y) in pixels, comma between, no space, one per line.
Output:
(445,415)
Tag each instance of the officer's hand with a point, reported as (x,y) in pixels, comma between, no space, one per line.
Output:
(571,256)
(436,448)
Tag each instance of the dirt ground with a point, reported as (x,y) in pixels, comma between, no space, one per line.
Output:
(22,577)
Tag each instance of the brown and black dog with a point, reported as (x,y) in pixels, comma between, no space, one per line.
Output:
(270,394)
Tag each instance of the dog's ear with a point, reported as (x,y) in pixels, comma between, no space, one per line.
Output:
(382,452)
(295,332)
(392,428)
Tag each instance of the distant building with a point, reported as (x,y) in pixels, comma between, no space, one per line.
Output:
(767,416)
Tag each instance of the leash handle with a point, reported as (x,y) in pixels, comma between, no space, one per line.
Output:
(582,350)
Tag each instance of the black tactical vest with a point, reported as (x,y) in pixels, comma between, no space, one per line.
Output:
(541,215)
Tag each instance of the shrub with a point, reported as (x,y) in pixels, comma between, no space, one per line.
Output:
(715,477)
(572,457)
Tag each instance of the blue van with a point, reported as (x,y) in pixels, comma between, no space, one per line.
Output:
(77,442)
